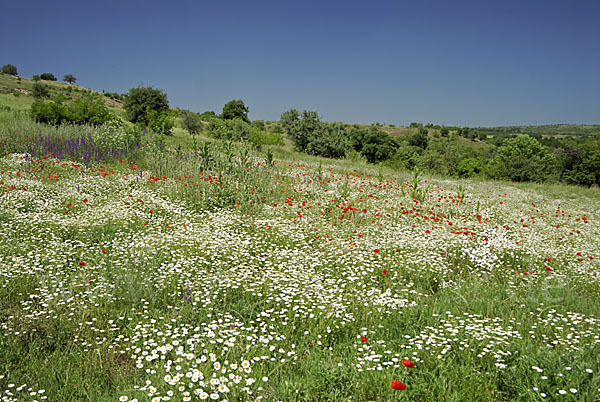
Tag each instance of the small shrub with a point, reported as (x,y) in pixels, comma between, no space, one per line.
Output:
(40,91)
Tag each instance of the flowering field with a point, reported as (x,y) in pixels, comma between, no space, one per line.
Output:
(343,284)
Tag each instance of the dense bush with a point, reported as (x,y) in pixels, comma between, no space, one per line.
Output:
(48,77)
(329,140)
(419,139)
(469,167)
(523,158)
(375,146)
(82,111)
(406,157)
(40,91)
(9,69)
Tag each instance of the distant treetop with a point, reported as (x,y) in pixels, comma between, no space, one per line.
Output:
(48,76)
(9,69)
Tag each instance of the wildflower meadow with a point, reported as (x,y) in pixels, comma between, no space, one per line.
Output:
(142,271)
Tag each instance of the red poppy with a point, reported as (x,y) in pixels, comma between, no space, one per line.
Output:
(82,263)
(104,250)
(398,385)
(364,338)
(408,363)
(384,272)
(85,200)
(376,250)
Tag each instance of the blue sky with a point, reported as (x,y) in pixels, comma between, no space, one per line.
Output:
(474,63)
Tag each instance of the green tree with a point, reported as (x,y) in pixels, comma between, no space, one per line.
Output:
(36,77)
(444,131)
(191,122)
(48,76)
(235,109)
(288,119)
(70,78)
(141,100)
(522,159)
(9,69)
(301,131)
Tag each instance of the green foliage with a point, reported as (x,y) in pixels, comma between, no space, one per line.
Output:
(141,100)
(40,91)
(444,131)
(48,76)
(229,130)
(9,69)
(405,158)
(375,146)
(301,130)
(36,77)
(419,139)
(235,109)
(329,140)
(70,78)
(114,136)
(82,111)
(469,167)
(264,137)
(47,112)
(160,122)
(260,124)
(208,115)
(523,158)
(192,122)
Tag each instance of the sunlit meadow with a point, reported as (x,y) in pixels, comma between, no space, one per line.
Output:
(157,274)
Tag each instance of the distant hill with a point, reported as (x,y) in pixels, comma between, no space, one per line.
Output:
(16,92)
(554,130)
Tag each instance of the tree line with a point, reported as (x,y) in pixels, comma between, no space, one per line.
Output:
(461,153)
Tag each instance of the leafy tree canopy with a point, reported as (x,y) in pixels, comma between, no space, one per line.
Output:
(48,76)
(70,78)
(235,109)
(9,69)
(139,101)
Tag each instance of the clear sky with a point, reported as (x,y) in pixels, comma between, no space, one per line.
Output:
(475,63)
